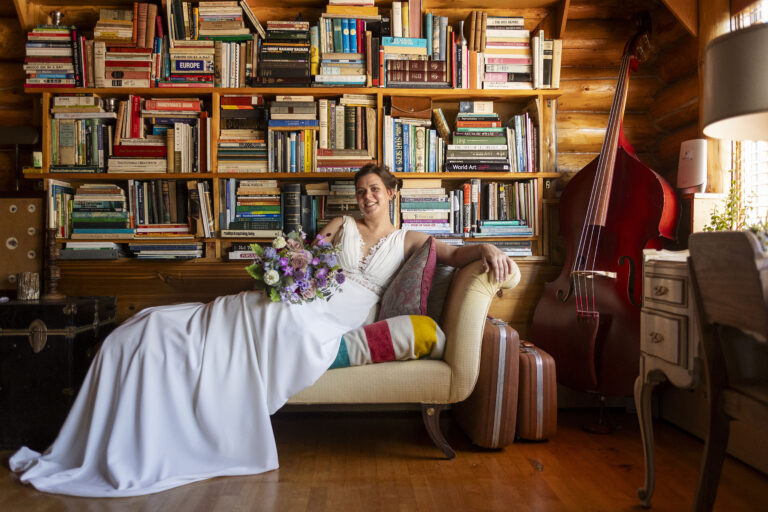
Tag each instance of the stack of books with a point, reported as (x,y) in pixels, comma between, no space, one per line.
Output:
(242,145)
(405,64)
(81,134)
(292,134)
(159,251)
(480,142)
(284,57)
(342,200)
(219,19)
(118,66)
(100,211)
(316,197)
(425,207)
(48,61)
(115,27)
(97,250)
(190,64)
(251,208)
(507,54)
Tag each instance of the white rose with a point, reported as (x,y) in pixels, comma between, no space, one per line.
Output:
(278,243)
(271,277)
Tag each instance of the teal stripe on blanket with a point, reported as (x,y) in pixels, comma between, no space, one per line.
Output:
(342,357)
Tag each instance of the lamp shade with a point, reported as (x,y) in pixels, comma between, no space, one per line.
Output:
(735,92)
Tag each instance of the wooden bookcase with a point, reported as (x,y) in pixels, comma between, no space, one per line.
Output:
(548,15)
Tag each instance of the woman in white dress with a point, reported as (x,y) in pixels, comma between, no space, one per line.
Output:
(183,393)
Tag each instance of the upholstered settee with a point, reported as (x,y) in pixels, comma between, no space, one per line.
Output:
(429,382)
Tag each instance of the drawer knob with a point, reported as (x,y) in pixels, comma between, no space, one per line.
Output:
(660,290)
(656,337)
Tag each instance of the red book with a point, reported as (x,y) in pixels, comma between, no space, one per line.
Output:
(478,124)
(242,100)
(141,150)
(127,64)
(172,104)
(360,34)
(135,116)
(127,49)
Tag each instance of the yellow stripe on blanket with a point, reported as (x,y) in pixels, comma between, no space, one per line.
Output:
(394,339)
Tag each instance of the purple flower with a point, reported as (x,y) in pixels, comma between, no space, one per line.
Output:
(299,275)
(315,261)
(321,281)
(330,260)
(303,285)
(283,262)
(287,271)
(270,253)
(340,277)
(321,272)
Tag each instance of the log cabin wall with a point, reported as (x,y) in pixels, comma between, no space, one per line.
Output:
(16,108)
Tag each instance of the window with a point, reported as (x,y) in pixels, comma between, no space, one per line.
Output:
(749,159)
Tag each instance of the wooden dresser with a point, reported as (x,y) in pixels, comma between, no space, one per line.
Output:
(669,342)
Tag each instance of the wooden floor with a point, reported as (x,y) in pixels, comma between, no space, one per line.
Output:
(385,462)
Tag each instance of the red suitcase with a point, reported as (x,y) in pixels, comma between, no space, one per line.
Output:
(537,403)
(489,414)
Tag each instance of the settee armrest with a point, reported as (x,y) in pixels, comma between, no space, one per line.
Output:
(463,319)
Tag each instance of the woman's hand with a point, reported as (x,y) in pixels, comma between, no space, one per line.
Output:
(493,258)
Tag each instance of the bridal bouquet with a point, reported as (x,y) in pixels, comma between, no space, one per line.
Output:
(292,271)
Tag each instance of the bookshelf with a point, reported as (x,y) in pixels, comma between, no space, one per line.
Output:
(541,103)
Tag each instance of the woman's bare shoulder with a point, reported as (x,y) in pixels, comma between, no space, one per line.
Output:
(414,240)
(332,228)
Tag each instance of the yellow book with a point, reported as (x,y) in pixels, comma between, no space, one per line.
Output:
(353,10)
(406,20)
(308,150)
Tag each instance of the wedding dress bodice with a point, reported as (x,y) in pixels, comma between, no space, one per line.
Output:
(376,269)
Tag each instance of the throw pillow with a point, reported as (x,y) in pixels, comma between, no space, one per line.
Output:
(408,292)
(394,339)
(441,282)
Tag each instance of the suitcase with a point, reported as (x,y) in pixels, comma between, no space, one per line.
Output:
(537,403)
(45,350)
(488,415)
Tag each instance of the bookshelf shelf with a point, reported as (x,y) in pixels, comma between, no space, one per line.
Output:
(123,176)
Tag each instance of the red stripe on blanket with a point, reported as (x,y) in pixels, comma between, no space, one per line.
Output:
(379,342)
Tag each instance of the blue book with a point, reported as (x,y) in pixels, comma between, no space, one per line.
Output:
(410,42)
(428,32)
(346,46)
(432,151)
(406,147)
(281,123)
(292,154)
(398,146)
(353,36)
(103,230)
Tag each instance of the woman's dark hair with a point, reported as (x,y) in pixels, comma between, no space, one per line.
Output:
(381,171)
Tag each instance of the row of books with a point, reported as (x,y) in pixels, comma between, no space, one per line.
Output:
(151,208)
(207,46)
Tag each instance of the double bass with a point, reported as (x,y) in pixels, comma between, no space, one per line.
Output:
(588,318)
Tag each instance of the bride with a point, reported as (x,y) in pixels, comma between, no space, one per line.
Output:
(182,393)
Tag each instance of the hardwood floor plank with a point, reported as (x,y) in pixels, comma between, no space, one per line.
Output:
(385,462)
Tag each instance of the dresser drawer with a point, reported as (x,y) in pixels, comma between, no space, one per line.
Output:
(664,336)
(665,289)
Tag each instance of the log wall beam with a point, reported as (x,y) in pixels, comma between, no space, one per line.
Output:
(686,12)
(713,21)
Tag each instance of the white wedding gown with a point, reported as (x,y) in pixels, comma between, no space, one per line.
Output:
(183,393)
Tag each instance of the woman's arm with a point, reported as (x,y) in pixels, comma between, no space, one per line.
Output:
(492,257)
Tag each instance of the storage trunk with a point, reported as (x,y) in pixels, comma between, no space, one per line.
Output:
(488,416)
(45,350)
(537,403)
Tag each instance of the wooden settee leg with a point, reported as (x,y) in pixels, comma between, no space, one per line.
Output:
(431,415)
